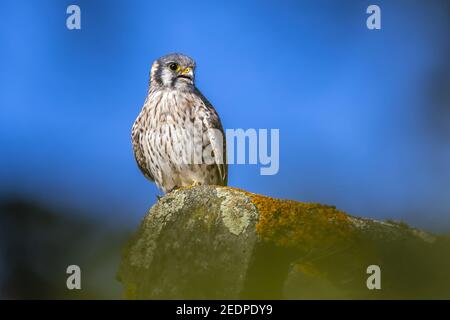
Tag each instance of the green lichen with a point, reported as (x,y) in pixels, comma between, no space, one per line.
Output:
(236,211)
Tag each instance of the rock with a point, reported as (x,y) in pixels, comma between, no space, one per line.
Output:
(211,242)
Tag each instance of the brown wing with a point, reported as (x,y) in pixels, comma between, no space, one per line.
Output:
(139,155)
(211,120)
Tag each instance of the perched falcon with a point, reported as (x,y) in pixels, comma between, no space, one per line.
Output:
(178,139)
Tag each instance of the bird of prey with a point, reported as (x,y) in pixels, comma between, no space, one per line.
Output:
(177,138)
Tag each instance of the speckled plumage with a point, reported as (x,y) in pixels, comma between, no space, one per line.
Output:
(178,139)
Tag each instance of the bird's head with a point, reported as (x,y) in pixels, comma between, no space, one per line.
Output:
(173,71)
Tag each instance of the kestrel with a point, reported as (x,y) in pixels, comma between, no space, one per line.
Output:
(178,139)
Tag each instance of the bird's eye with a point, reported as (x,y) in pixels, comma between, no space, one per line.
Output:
(173,66)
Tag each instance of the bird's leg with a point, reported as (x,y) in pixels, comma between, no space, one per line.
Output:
(196,183)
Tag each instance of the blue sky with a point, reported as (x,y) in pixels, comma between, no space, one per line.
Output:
(356,118)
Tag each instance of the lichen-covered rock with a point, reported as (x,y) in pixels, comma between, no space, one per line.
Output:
(211,242)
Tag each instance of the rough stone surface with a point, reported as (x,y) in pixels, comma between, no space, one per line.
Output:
(211,242)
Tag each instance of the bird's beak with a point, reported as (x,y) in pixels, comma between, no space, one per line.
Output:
(188,72)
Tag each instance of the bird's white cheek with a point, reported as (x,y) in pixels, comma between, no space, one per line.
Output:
(166,78)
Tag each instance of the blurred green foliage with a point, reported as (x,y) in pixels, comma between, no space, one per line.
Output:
(37,244)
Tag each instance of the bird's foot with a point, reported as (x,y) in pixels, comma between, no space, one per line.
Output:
(173,189)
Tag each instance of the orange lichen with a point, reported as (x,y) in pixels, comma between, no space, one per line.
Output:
(305,225)
(295,224)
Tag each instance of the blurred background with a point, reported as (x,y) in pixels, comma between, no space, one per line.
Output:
(364,118)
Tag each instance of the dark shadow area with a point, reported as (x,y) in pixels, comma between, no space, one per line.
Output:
(37,245)
(267,272)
